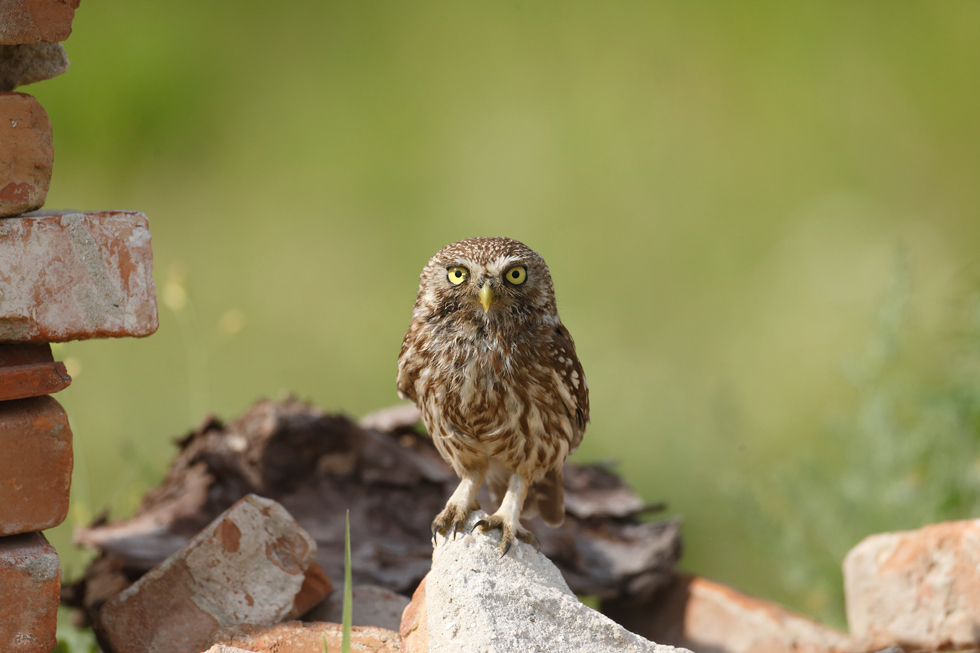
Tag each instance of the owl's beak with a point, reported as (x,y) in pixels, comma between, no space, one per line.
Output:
(486,297)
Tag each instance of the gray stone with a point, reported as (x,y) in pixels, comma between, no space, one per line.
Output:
(372,606)
(29,63)
(477,600)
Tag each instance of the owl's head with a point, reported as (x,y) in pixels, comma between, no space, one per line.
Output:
(496,281)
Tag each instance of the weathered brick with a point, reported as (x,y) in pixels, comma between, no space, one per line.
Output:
(30,21)
(297,637)
(28,154)
(703,615)
(72,276)
(29,370)
(36,464)
(30,585)
(917,589)
(30,63)
(247,566)
(414,628)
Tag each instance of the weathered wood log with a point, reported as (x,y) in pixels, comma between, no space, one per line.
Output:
(390,477)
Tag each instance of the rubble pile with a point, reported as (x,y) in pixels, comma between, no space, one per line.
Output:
(64,275)
(391,479)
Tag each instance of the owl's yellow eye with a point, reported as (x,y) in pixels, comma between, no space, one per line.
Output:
(457,275)
(516,275)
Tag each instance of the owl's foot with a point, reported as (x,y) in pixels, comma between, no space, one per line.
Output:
(453,515)
(508,531)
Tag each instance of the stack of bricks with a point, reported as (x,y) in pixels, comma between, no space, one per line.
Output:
(64,275)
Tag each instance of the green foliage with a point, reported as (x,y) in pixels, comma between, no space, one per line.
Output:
(905,453)
(72,639)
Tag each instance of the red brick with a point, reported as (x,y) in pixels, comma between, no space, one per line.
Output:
(703,615)
(30,585)
(72,276)
(30,21)
(247,566)
(29,370)
(35,468)
(28,154)
(298,637)
(414,629)
(917,589)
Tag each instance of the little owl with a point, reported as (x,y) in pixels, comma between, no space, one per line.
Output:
(495,376)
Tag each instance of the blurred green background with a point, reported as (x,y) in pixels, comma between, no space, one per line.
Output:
(762,220)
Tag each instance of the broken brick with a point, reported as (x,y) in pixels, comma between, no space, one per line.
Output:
(917,589)
(72,276)
(247,566)
(35,468)
(28,154)
(414,628)
(297,637)
(30,584)
(29,370)
(30,21)
(703,615)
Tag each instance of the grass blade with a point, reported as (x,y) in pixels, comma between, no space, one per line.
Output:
(348,590)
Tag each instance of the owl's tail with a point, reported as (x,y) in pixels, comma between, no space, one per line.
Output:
(547,498)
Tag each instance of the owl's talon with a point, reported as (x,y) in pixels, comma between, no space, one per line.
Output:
(530,538)
(505,547)
(480,524)
(453,517)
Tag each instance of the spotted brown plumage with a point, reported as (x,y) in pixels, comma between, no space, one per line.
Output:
(495,376)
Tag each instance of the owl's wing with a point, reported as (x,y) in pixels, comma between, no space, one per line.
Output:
(408,367)
(576,395)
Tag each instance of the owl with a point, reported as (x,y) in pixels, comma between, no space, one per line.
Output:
(496,379)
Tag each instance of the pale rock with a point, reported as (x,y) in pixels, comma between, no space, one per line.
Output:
(918,589)
(474,599)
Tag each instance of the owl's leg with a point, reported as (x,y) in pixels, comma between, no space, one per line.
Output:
(460,504)
(508,516)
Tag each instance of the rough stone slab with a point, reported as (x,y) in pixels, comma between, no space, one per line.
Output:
(30,585)
(372,606)
(298,637)
(71,276)
(247,566)
(27,157)
(30,63)
(29,370)
(35,465)
(221,648)
(917,589)
(30,21)
(703,615)
(477,600)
